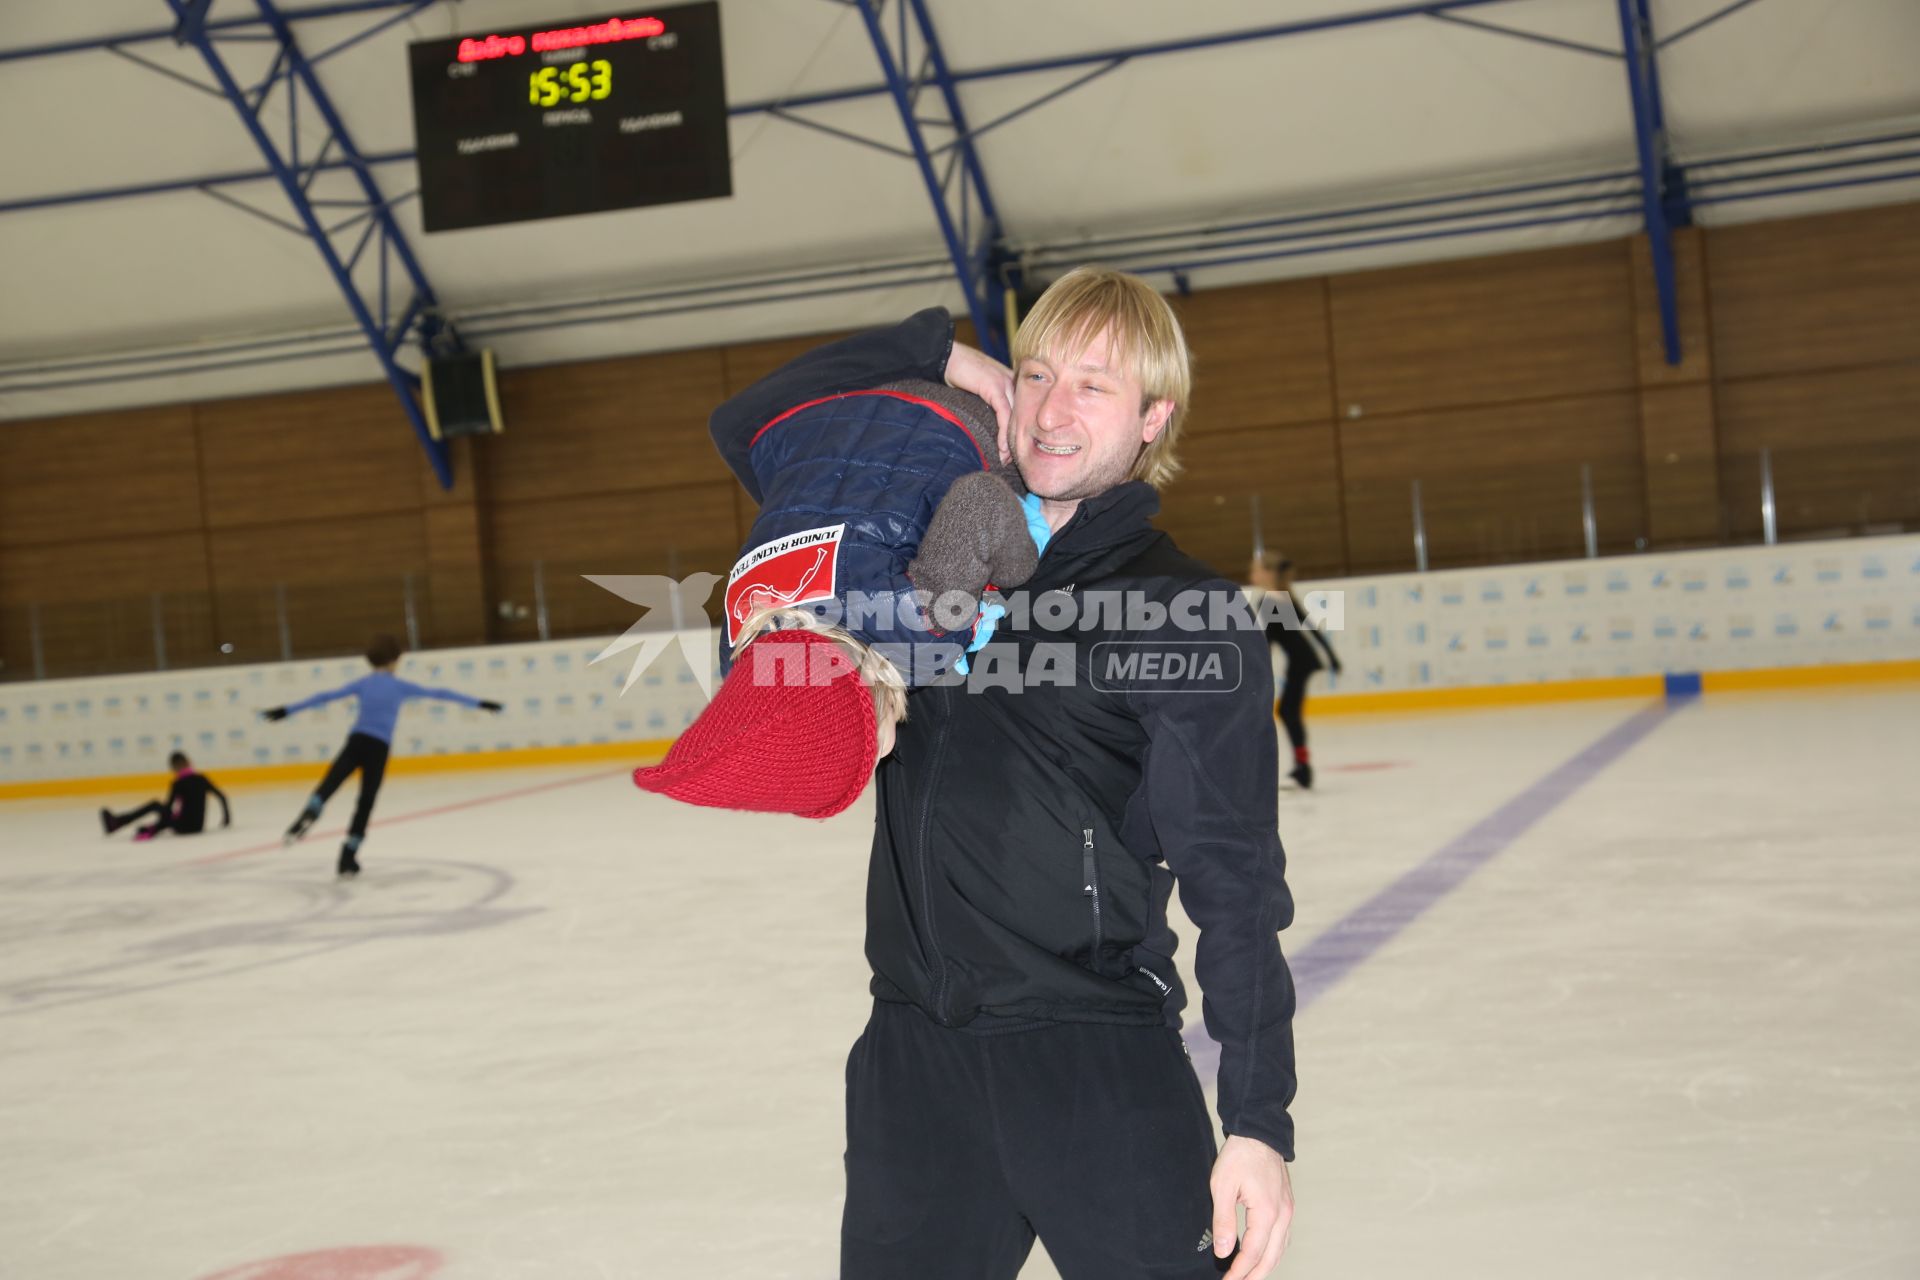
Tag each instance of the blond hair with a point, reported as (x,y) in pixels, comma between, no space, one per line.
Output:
(1146,341)
(876,670)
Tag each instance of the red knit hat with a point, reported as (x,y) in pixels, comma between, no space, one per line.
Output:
(792,730)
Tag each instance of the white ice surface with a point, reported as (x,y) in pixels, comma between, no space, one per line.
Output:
(1672,1031)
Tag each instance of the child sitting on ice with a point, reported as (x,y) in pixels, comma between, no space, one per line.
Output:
(183,812)
(887,510)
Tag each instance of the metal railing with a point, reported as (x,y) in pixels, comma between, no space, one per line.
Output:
(1459,518)
(1469,516)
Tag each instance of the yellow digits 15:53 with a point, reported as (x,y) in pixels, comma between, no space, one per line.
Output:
(585,80)
(543,87)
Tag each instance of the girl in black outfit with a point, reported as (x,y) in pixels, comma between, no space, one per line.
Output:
(1274,572)
(183,812)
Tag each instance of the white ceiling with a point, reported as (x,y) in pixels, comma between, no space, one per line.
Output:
(1338,118)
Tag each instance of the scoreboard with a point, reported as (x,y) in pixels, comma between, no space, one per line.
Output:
(544,122)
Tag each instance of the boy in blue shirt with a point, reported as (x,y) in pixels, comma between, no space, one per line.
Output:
(381,695)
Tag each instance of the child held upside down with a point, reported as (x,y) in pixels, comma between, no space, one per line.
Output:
(886,513)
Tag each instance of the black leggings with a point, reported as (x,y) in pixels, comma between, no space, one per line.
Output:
(163,820)
(369,755)
(1293,702)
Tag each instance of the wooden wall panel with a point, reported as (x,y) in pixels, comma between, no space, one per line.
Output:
(345,581)
(452,602)
(1260,355)
(100,637)
(463,458)
(1490,380)
(1690,276)
(605,426)
(104,568)
(1497,484)
(129,473)
(748,362)
(1296,476)
(1845,447)
(691,525)
(1680,457)
(1834,291)
(1482,331)
(329,454)
(95,604)
(364,549)
(688,530)
(454,589)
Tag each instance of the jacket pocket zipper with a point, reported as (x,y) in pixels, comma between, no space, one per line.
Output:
(939,962)
(1090,875)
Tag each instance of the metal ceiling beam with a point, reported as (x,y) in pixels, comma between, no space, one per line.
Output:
(1102,61)
(1128,53)
(225,27)
(1722,12)
(193,21)
(184,184)
(384,336)
(1663,191)
(954,209)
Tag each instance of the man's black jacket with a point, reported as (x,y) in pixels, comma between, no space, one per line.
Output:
(1032,820)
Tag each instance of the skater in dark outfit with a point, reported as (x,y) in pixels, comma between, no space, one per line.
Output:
(1273,572)
(183,812)
(381,695)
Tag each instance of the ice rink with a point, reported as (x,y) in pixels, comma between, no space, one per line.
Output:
(1606,989)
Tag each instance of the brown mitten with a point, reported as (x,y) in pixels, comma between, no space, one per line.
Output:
(978,535)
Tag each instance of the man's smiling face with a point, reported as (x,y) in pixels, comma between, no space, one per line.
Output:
(1080,421)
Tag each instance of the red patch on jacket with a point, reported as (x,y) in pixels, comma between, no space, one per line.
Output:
(800,568)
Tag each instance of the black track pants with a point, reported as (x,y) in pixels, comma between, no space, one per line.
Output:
(1293,704)
(962,1146)
(369,755)
(163,820)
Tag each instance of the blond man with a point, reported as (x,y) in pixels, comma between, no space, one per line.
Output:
(1023,1073)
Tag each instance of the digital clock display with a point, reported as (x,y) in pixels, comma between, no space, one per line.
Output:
(581,117)
(584,82)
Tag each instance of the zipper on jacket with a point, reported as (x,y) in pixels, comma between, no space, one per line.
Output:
(939,993)
(1090,874)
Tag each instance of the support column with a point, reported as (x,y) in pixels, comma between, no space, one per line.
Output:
(1678,434)
(453,596)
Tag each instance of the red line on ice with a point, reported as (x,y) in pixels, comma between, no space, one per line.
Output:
(422,813)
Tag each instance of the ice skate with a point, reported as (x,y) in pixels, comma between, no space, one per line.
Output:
(301,825)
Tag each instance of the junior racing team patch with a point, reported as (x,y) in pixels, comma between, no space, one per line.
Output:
(800,568)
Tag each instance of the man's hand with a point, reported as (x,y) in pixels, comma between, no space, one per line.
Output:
(975,371)
(1251,1173)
